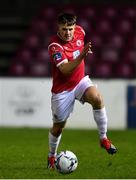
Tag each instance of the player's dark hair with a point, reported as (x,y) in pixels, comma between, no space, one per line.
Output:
(67,18)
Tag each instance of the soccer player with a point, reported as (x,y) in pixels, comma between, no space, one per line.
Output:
(67,52)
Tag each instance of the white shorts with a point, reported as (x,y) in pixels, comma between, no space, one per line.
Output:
(62,104)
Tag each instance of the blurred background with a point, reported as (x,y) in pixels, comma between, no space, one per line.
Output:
(25,74)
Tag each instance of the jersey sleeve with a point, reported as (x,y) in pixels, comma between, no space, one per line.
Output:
(57,54)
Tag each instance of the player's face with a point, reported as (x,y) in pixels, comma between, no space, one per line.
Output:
(66,32)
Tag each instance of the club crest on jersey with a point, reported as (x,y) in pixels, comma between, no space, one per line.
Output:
(78,42)
(57,56)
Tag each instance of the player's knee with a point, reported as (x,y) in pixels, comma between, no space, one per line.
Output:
(97,102)
(57,129)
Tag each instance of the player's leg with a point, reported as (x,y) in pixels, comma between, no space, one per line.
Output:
(62,106)
(93,97)
(54,140)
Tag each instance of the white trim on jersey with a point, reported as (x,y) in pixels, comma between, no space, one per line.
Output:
(56,45)
(83,31)
(65,60)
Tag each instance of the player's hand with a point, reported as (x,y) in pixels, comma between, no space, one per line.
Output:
(87,49)
(88,46)
(90,50)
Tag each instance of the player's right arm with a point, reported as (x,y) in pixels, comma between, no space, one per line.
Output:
(69,66)
(59,58)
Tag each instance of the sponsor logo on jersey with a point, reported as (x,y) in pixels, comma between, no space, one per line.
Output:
(78,42)
(57,56)
(76,54)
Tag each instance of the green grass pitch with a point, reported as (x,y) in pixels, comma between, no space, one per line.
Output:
(23,154)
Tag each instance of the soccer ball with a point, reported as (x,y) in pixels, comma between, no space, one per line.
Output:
(66,162)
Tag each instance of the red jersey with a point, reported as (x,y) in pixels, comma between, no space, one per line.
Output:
(61,51)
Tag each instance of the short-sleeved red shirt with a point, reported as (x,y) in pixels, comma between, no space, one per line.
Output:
(61,51)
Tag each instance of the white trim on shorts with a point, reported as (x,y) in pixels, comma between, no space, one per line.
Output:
(62,104)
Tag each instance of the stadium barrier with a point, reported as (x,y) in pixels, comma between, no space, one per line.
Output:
(25,102)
